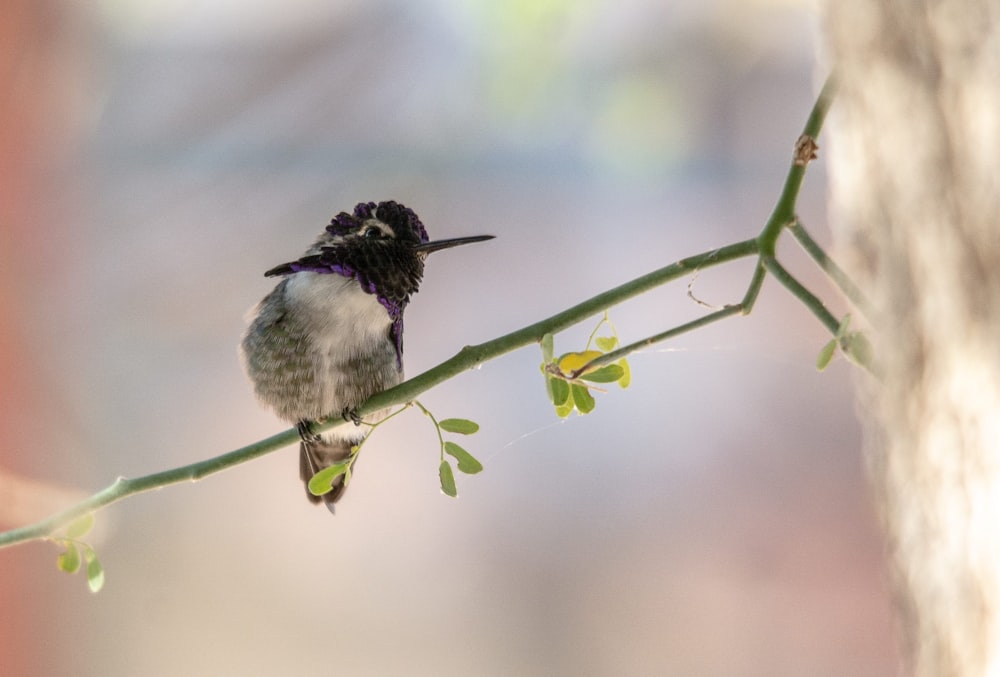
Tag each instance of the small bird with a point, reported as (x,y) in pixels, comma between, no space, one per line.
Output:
(330,334)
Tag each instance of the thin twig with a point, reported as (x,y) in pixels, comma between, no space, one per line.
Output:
(799,291)
(615,355)
(830,267)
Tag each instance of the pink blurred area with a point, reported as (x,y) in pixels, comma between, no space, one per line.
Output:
(156,158)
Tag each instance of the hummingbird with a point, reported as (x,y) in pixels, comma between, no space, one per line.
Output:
(330,333)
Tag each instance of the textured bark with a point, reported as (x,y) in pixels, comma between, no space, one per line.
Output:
(915,141)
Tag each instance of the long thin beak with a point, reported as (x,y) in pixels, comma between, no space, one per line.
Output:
(428,247)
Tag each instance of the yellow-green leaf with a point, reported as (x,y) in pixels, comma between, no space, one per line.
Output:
(548,346)
(322,482)
(844,324)
(606,343)
(859,348)
(826,354)
(626,378)
(571,362)
(80,527)
(95,572)
(447,479)
(566,408)
(69,560)
(461,426)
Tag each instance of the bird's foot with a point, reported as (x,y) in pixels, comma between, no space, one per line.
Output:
(306,432)
(351,414)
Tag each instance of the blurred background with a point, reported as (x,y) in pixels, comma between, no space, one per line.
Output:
(156,157)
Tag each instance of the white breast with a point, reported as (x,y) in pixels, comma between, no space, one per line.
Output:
(336,308)
(342,321)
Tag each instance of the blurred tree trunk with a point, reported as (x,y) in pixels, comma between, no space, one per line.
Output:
(916,187)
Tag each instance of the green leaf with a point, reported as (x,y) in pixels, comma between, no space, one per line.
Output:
(322,482)
(826,354)
(606,343)
(447,479)
(566,408)
(626,378)
(467,463)
(461,426)
(859,348)
(548,346)
(95,572)
(609,374)
(80,527)
(583,399)
(69,560)
(844,324)
(558,390)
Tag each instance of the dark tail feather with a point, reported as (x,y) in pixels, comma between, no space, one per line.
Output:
(313,457)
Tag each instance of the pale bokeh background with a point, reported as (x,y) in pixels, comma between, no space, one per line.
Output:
(713,519)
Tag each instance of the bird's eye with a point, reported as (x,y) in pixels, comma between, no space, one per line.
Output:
(372,234)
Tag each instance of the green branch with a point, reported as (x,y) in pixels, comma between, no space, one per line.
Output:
(805,151)
(763,246)
(810,300)
(783,216)
(465,359)
(122,487)
(830,267)
(854,344)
